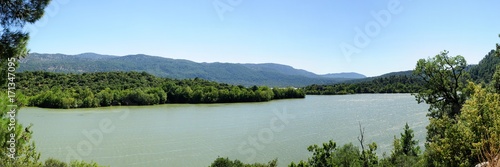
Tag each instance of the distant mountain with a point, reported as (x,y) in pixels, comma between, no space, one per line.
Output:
(93,56)
(408,73)
(240,74)
(279,68)
(399,73)
(349,75)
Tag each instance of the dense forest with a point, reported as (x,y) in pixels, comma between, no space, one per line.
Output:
(389,84)
(483,72)
(58,90)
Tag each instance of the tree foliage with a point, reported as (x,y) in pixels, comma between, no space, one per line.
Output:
(445,79)
(445,91)
(388,84)
(496,77)
(57,90)
(14,15)
(226,162)
(479,123)
(464,128)
(24,147)
(496,80)
(484,71)
(405,153)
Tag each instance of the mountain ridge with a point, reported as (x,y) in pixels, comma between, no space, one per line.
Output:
(269,74)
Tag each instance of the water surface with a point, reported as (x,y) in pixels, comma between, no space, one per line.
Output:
(196,134)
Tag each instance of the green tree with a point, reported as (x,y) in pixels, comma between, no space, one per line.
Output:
(14,15)
(479,125)
(347,156)
(226,162)
(368,156)
(445,78)
(105,97)
(322,155)
(445,91)
(406,150)
(87,98)
(496,76)
(409,146)
(26,154)
(498,48)
(496,80)
(329,155)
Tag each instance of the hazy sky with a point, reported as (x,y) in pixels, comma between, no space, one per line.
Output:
(323,36)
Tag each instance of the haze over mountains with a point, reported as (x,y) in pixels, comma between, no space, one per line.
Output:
(269,74)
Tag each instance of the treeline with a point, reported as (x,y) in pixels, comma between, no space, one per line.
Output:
(390,84)
(57,90)
(403,82)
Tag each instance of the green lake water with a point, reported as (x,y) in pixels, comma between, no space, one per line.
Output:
(181,135)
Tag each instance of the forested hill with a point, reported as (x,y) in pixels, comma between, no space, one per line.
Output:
(383,84)
(402,81)
(239,74)
(483,72)
(59,90)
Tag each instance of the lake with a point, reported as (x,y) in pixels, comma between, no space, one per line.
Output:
(196,134)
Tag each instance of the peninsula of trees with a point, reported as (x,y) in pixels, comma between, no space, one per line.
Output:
(59,90)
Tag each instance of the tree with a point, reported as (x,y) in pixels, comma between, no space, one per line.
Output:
(498,48)
(368,156)
(409,146)
(406,149)
(322,155)
(226,162)
(496,80)
(496,76)
(445,91)
(445,78)
(24,147)
(105,97)
(14,15)
(480,124)
(347,155)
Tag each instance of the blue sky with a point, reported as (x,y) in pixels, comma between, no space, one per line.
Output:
(319,36)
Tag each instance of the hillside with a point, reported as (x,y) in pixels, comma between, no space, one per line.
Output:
(238,74)
(483,72)
(349,75)
(402,81)
(407,73)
